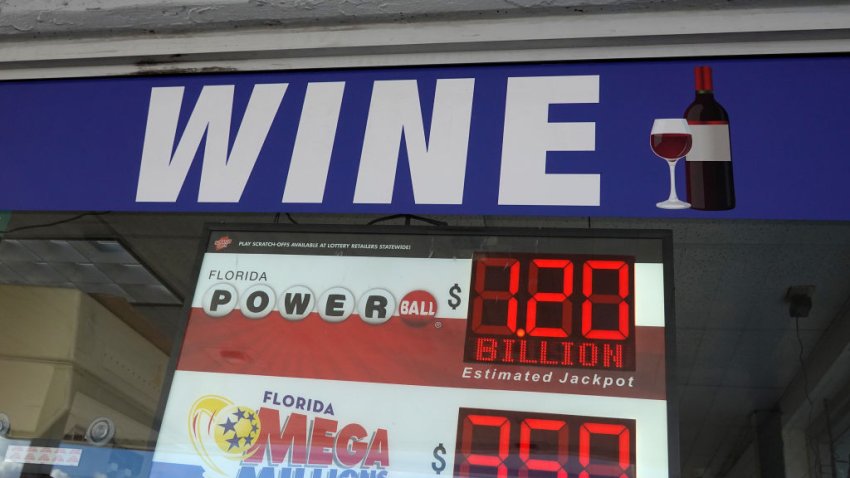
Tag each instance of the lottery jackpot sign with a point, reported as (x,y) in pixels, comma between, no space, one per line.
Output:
(377,353)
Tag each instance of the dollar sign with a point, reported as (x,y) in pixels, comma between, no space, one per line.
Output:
(439,451)
(455,300)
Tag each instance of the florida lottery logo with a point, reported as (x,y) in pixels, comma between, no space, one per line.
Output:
(218,428)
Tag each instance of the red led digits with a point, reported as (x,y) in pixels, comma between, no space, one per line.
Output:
(543,464)
(593,298)
(483,295)
(511,444)
(496,462)
(551,310)
(623,461)
(560,298)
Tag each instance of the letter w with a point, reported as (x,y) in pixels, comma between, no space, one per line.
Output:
(296,303)
(223,177)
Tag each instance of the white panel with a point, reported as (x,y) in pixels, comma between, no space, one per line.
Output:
(358,274)
(649,295)
(416,418)
(398,275)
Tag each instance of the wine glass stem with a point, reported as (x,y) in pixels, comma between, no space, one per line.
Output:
(673,196)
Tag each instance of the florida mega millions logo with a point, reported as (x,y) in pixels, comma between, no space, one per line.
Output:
(305,441)
(233,429)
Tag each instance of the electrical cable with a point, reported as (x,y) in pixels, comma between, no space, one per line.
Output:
(831,437)
(55,223)
(288,216)
(407,218)
(803,366)
(812,446)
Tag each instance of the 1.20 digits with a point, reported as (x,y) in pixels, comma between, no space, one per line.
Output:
(543,306)
(506,444)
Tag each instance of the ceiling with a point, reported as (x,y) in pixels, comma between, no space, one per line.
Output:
(737,350)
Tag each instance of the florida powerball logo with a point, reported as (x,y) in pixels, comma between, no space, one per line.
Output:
(225,435)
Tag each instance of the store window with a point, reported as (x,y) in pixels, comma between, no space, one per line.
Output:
(94,311)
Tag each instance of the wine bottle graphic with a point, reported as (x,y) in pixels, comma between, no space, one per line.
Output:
(708,165)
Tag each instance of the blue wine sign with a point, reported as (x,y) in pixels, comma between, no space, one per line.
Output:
(557,139)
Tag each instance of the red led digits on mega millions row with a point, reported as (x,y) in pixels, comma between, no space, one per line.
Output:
(510,444)
(537,309)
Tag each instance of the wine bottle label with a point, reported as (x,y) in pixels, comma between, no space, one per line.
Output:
(710,143)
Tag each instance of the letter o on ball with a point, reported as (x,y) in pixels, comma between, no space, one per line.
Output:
(258,301)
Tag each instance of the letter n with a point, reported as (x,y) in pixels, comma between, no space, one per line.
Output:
(437,162)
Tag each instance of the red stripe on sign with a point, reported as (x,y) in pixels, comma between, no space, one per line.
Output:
(396,352)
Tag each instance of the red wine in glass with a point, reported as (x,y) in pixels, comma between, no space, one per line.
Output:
(670,139)
(671,146)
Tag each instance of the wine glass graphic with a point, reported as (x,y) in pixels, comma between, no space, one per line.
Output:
(670,140)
